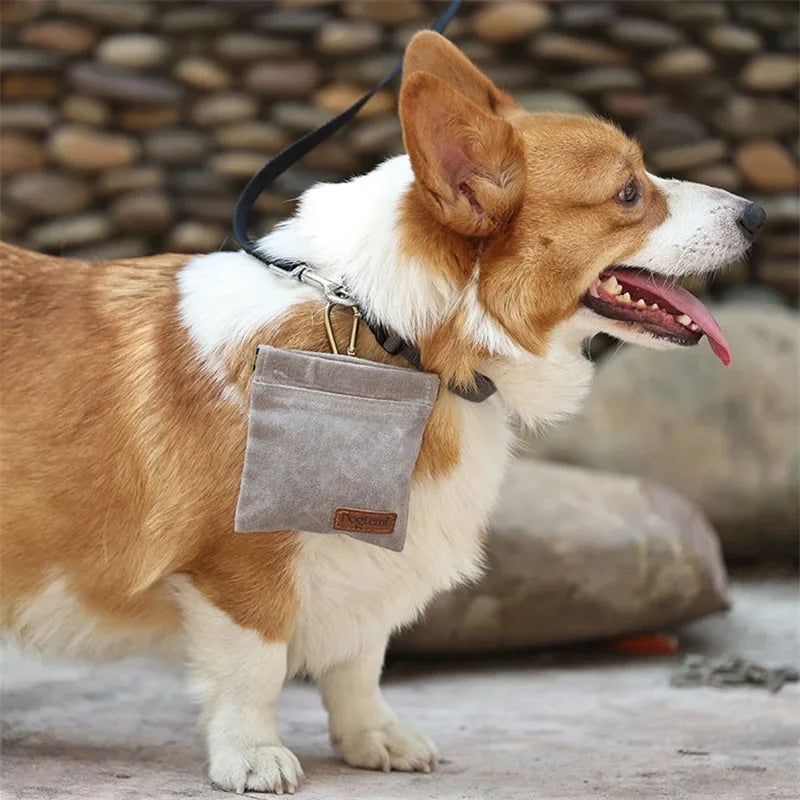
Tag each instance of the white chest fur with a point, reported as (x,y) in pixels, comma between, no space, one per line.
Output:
(353,594)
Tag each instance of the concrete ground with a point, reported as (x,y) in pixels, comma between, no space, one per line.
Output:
(545,727)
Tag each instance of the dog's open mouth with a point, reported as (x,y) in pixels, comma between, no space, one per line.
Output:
(651,303)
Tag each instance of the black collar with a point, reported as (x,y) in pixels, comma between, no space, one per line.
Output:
(482,388)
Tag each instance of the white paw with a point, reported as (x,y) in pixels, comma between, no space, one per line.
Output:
(259,768)
(393,746)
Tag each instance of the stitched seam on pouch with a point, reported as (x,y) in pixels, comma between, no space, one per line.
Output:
(343,395)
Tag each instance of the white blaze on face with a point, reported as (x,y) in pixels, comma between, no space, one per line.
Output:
(700,232)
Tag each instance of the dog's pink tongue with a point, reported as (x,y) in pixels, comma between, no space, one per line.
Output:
(681,300)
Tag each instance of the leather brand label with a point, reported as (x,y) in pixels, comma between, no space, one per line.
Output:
(356,520)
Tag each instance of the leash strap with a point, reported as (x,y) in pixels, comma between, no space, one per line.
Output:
(301,271)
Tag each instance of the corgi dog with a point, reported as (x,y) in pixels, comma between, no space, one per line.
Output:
(497,245)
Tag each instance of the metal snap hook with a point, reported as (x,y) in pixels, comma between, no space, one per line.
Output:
(334,292)
(351,344)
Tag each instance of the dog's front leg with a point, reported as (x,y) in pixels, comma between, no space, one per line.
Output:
(363,729)
(239,676)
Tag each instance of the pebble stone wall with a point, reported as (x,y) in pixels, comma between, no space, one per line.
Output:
(129,127)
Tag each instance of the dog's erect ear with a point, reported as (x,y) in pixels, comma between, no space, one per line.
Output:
(469,163)
(430,52)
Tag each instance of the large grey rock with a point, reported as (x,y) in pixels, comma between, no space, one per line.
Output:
(728,438)
(576,555)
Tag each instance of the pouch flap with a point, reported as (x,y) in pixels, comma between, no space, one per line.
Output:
(345,375)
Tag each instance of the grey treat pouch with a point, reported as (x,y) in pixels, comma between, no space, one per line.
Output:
(331,445)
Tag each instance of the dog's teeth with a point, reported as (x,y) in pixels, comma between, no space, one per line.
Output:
(610,285)
(694,326)
(654,307)
(641,303)
(684,319)
(625,298)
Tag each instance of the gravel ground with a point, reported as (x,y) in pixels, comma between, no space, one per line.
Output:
(567,726)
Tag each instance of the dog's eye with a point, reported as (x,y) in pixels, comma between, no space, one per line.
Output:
(629,194)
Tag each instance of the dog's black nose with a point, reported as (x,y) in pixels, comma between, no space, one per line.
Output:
(752,220)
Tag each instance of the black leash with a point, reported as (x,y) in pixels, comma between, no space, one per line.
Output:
(305,273)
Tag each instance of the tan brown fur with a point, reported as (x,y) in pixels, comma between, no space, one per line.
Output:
(429,52)
(447,349)
(121,461)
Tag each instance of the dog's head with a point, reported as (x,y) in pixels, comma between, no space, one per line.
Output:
(570,222)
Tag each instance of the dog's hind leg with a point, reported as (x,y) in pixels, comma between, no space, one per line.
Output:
(364,730)
(239,675)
